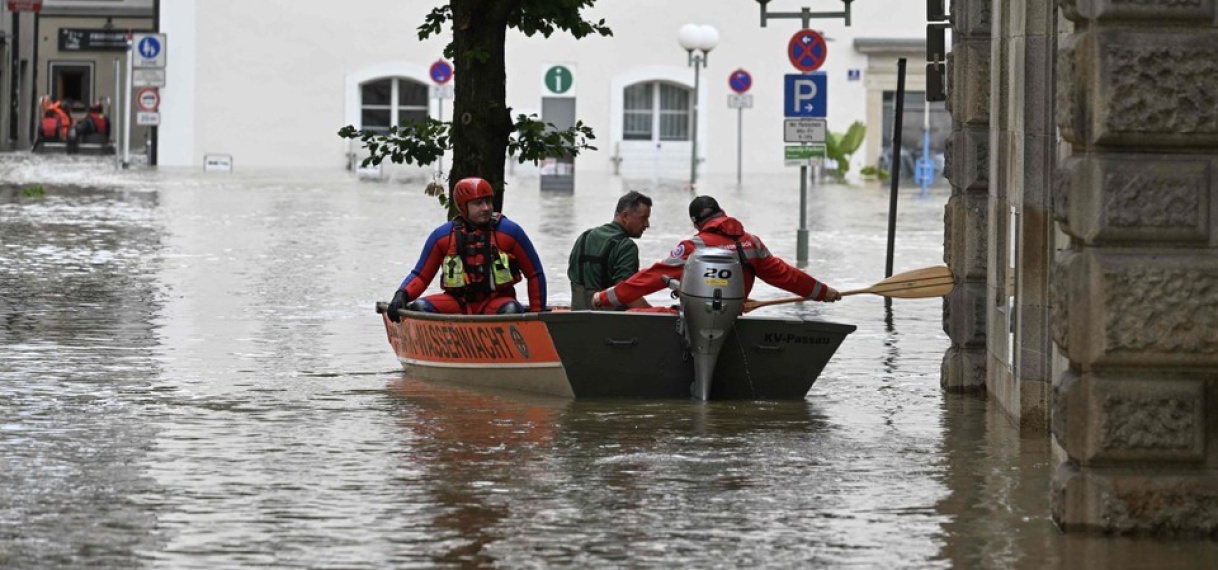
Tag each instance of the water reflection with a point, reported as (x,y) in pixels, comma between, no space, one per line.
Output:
(892,342)
(475,448)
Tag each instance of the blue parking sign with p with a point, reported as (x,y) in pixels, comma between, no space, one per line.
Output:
(805,95)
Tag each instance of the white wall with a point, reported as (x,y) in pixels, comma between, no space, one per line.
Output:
(272,79)
(176,135)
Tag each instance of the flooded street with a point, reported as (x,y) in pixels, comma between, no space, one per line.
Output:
(192,375)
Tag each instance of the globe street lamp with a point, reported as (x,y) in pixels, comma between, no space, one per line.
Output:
(700,38)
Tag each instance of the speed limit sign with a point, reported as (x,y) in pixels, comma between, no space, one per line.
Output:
(148,99)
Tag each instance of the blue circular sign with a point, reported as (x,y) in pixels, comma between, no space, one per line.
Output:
(740,81)
(441,72)
(807,50)
(149,48)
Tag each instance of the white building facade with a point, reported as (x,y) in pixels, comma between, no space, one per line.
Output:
(270,83)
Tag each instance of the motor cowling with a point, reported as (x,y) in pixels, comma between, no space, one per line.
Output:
(712,296)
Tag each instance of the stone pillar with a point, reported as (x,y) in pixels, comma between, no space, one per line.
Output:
(1039,141)
(1135,296)
(1019,348)
(967,212)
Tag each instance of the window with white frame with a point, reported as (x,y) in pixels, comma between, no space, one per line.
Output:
(392,101)
(656,111)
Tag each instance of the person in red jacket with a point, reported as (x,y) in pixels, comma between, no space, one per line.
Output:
(95,123)
(717,229)
(55,122)
(480,255)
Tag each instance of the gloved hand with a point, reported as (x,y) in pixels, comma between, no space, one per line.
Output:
(832,295)
(597,301)
(398,302)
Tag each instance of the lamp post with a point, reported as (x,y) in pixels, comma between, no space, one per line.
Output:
(805,14)
(699,38)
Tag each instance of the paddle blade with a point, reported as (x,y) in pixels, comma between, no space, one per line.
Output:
(922,283)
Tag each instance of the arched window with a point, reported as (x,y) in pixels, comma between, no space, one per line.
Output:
(656,111)
(392,101)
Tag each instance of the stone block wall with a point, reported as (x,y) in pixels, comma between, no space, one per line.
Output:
(1135,296)
(966,216)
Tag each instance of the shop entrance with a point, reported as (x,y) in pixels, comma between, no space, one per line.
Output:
(71,82)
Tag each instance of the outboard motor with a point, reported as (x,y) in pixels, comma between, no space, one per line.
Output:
(712,296)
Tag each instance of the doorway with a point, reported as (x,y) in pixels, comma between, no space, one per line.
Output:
(919,118)
(71,82)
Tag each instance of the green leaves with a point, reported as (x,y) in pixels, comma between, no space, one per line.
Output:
(426,141)
(421,142)
(531,17)
(534,140)
(840,146)
(853,138)
(545,16)
(433,23)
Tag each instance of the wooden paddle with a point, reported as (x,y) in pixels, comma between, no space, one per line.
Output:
(922,283)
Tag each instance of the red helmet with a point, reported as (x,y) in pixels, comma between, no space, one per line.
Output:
(469,189)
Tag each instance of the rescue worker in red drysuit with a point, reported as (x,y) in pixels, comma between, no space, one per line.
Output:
(717,229)
(55,121)
(95,123)
(480,256)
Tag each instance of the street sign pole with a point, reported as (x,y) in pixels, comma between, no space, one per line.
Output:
(441,73)
(801,235)
(739,140)
(440,163)
(925,172)
(147,54)
(802,63)
(740,82)
(116,104)
(127,108)
(805,96)
(693,138)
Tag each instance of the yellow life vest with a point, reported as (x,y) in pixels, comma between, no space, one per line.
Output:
(453,266)
(453,271)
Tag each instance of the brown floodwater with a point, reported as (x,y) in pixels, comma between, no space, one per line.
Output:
(192,376)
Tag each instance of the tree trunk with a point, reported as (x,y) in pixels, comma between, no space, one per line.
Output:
(481,121)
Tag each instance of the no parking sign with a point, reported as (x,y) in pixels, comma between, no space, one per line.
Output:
(441,71)
(807,50)
(740,81)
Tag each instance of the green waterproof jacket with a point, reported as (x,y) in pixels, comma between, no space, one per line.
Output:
(601,258)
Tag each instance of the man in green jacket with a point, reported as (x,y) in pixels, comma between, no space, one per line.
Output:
(605,255)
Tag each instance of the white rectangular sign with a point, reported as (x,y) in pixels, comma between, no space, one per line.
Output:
(148,77)
(804,130)
(148,118)
(217,163)
(735,101)
(805,162)
(441,91)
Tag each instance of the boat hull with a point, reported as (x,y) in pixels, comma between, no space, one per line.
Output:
(585,354)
